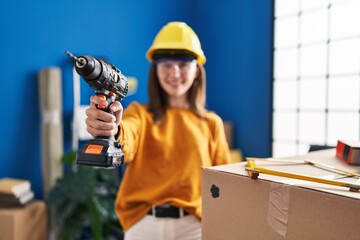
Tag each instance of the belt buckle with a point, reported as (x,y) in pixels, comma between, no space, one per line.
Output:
(153,210)
(181,213)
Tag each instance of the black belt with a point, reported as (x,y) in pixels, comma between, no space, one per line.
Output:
(167,211)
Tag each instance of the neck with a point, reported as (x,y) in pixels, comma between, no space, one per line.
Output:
(178,102)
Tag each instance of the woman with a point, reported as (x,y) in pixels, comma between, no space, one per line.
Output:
(165,142)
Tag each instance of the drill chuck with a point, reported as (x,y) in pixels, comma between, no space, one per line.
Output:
(88,67)
(80,63)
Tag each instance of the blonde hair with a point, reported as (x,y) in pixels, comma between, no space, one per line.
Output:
(158,99)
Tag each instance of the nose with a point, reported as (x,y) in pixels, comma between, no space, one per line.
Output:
(175,70)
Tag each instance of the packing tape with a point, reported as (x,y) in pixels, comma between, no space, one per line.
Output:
(51,117)
(278,209)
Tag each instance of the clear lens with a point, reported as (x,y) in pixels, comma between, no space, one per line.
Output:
(181,65)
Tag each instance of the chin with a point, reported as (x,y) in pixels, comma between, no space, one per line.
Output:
(175,92)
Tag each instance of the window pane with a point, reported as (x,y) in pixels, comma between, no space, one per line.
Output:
(311,4)
(344,56)
(312,127)
(313,94)
(344,93)
(313,60)
(342,126)
(284,149)
(286,7)
(345,19)
(286,32)
(284,127)
(303,148)
(340,1)
(285,63)
(314,26)
(285,94)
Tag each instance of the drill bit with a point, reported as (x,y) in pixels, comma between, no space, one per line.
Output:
(71,55)
(80,62)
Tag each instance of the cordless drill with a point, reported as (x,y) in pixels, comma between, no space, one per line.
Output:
(111,85)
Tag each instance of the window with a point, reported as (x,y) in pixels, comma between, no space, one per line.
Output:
(316,74)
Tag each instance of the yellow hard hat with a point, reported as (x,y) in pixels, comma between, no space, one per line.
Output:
(177,36)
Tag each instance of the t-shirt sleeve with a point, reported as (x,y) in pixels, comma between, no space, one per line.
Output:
(129,130)
(222,152)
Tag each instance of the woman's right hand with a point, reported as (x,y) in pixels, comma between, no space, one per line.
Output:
(101,123)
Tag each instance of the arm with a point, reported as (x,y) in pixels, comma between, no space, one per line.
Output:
(222,152)
(126,130)
(130,130)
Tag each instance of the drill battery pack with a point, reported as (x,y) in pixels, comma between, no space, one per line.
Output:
(101,152)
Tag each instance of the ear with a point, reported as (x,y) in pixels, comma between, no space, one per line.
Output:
(197,71)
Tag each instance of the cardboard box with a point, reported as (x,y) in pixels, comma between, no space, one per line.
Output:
(273,208)
(28,223)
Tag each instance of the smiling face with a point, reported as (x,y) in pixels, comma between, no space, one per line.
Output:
(176,76)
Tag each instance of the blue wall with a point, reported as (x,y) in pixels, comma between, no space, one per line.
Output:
(236,36)
(237,39)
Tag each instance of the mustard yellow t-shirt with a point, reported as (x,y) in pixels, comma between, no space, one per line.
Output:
(165,160)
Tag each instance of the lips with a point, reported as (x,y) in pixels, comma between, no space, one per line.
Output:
(175,84)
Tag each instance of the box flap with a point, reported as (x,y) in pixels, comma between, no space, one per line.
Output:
(323,156)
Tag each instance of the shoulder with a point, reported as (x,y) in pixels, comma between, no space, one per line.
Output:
(214,122)
(213,117)
(136,106)
(136,109)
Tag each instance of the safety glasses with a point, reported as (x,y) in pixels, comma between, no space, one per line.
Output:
(182,65)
